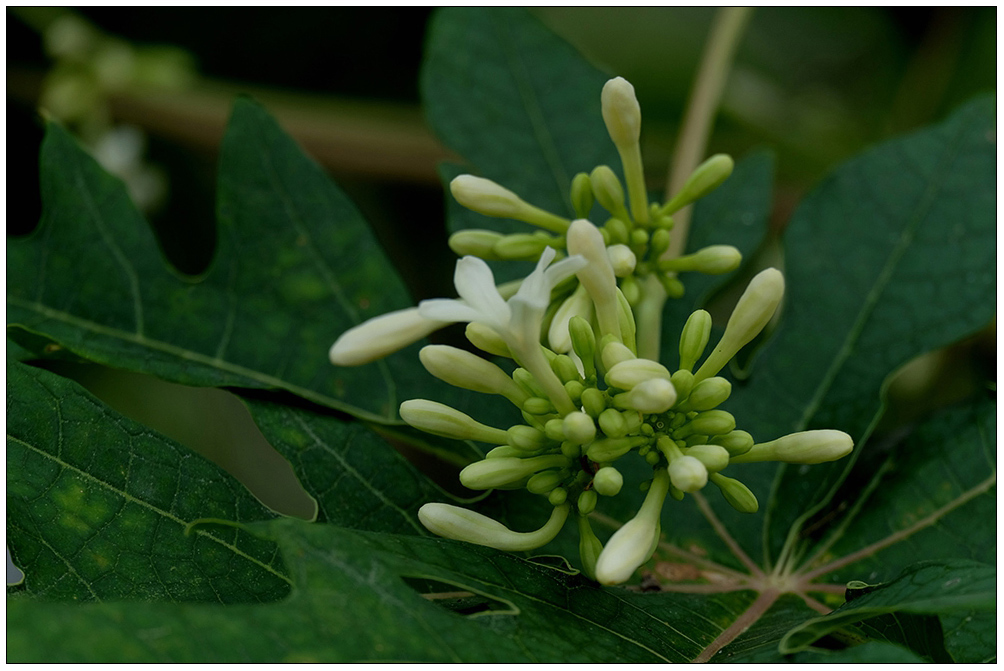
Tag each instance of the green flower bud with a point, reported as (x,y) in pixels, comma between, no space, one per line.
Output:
(701,182)
(713,260)
(751,314)
(578,304)
(628,374)
(671,285)
(658,243)
(491,473)
(526,438)
(593,401)
(683,382)
(625,317)
(615,352)
(694,338)
(554,429)
(634,420)
(611,449)
(622,116)
(688,474)
(486,197)
(590,547)
(579,428)
(504,451)
(709,422)
(574,389)
(565,369)
(609,192)
(527,382)
(544,482)
(708,394)
(487,340)
(612,423)
(714,457)
(442,420)
(557,496)
(466,525)
(631,290)
(622,259)
(582,195)
(469,371)
(571,450)
(652,396)
(583,342)
(804,447)
(537,406)
(608,481)
(617,231)
(736,493)
(586,502)
(475,242)
(736,442)
(639,238)
(521,246)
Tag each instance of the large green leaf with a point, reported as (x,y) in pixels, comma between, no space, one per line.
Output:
(295,266)
(99,507)
(924,588)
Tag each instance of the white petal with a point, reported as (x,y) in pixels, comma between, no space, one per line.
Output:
(448,310)
(476,286)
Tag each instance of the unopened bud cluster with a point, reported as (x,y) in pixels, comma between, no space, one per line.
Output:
(635,231)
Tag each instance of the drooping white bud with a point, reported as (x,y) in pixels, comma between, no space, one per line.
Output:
(755,308)
(633,544)
(804,447)
(442,420)
(466,525)
(469,371)
(377,337)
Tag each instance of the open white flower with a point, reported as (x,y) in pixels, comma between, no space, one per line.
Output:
(517,321)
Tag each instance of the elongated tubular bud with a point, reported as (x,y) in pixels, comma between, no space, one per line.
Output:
(628,374)
(582,195)
(526,438)
(708,394)
(504,451)
(476,242)
(622,259)
(804,447)
(611,449)
(545,481)
(656,395)
(490,473)
(487,340)
(622,116)
(713,260)
(736,442)
(486,197)
(754,309)
(705,179)
(442,420)
(714,457)
(736,493)
(522,246)
(469,371)
(633,544)
(694,338)
(377,337)
(598,276)
(579,304)
(608,481)
(466,525)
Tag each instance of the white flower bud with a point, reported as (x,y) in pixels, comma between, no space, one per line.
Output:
(608,481)
(490,473)
(754,309)
(633,544)
(714,457)
(380,336)
(717,259)
(622,259)
(615,352)
(621,111)
(466,525)
(652,396)
(469,371)
(705,179)
(442,420)
(804,447)
(628,374)
(579,428)
(476,242)
(598,275)
(736,442)
(487,340)
(577,305)
(688,474)
(486,197)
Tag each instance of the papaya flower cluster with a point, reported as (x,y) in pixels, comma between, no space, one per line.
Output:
(585,409)
(635,235)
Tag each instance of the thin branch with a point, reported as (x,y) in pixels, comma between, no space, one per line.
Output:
(742,623)
(724,534)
